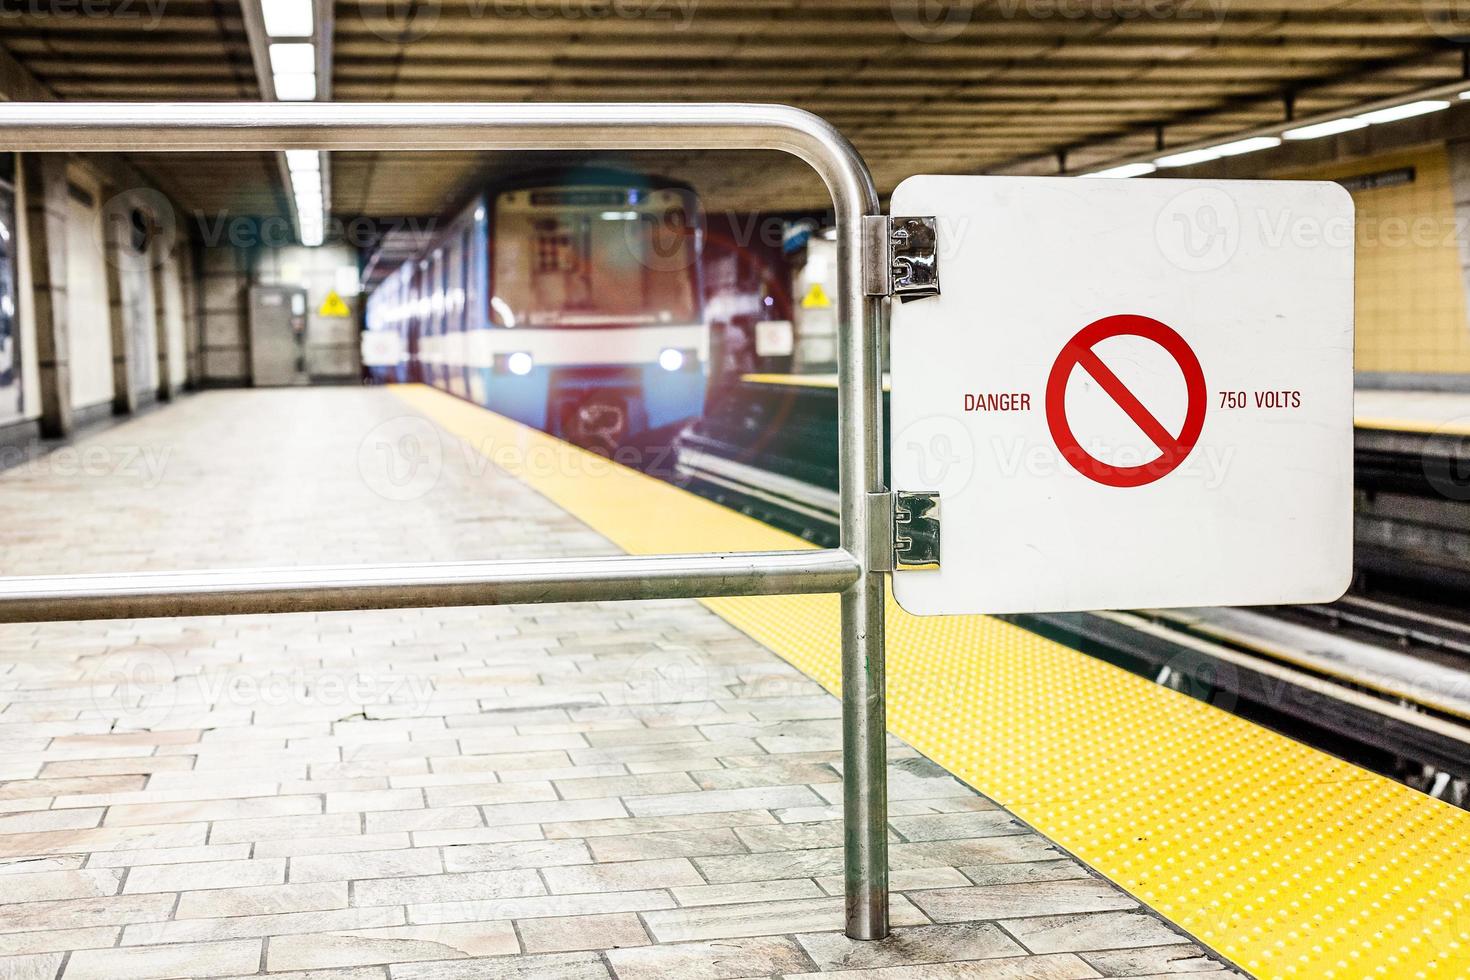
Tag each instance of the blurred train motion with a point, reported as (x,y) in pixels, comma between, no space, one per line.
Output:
(572,303)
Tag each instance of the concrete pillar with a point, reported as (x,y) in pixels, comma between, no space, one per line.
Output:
(225,277)
(158,263)
(124,399)
(193,311)
(44,176)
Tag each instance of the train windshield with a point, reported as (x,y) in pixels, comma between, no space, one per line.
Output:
(595,257)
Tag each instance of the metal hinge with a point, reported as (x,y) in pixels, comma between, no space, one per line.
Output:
(900,257)
(904,529)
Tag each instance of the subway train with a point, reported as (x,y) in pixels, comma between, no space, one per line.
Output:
(572,303)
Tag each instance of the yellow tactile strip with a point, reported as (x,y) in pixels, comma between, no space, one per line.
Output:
(1284,859)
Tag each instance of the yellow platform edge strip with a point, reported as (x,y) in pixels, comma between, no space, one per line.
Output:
(1286,860)
(1425,427)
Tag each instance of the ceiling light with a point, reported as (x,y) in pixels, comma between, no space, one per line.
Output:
(1126,170)
(296,58)
(1406,111)
(1329,128)
(1189,157)
(1248,145)
(296,88)
(287,18)
(307,180)
(301,161)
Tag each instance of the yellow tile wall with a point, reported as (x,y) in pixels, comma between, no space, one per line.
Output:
(1411,313)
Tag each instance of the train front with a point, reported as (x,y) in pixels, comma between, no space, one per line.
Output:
(596,312)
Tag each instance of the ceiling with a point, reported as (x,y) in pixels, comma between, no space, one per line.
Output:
(991,85)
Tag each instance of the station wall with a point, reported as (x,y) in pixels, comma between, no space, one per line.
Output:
(1413,264)
(88,312)
(111,293)
(135,312)
(30,367)
(332,342)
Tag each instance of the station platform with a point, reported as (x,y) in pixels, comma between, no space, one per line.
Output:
(634,790)
(1437,413)
(614,790)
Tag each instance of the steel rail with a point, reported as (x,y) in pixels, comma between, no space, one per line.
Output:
(168,127)
(482,583)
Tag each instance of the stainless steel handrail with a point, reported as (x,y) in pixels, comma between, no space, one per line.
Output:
(478,583)
(145,127)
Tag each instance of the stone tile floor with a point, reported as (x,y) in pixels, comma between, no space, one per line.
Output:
(550,793)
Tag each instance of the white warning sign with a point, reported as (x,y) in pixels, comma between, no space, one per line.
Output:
(1128,393)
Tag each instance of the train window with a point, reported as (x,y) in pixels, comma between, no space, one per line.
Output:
(576,260)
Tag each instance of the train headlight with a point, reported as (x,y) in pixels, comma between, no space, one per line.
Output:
(671,359)
(519,363)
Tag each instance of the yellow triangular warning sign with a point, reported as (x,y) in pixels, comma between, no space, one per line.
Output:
(816,298)
(334,306)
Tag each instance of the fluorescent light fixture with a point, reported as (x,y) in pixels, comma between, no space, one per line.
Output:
(287,18)
(302,161)
(307,180)
(296,58)
(1248,145)
(1189,157)
(1329,128)
(294,67)
(1126,170)
(312,237)
(1407,111)
(296,88)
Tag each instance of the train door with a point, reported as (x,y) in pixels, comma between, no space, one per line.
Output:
(433,301)
(11,396)
(477,302)
(456,337)
(413,315)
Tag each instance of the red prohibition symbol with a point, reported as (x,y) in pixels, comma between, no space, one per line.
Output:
(1080,352)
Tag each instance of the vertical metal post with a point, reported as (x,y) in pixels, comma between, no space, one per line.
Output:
(864,721)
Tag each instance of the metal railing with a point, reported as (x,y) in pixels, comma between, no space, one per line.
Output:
(135,127)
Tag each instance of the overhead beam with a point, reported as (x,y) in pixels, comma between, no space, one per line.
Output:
(17,84)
